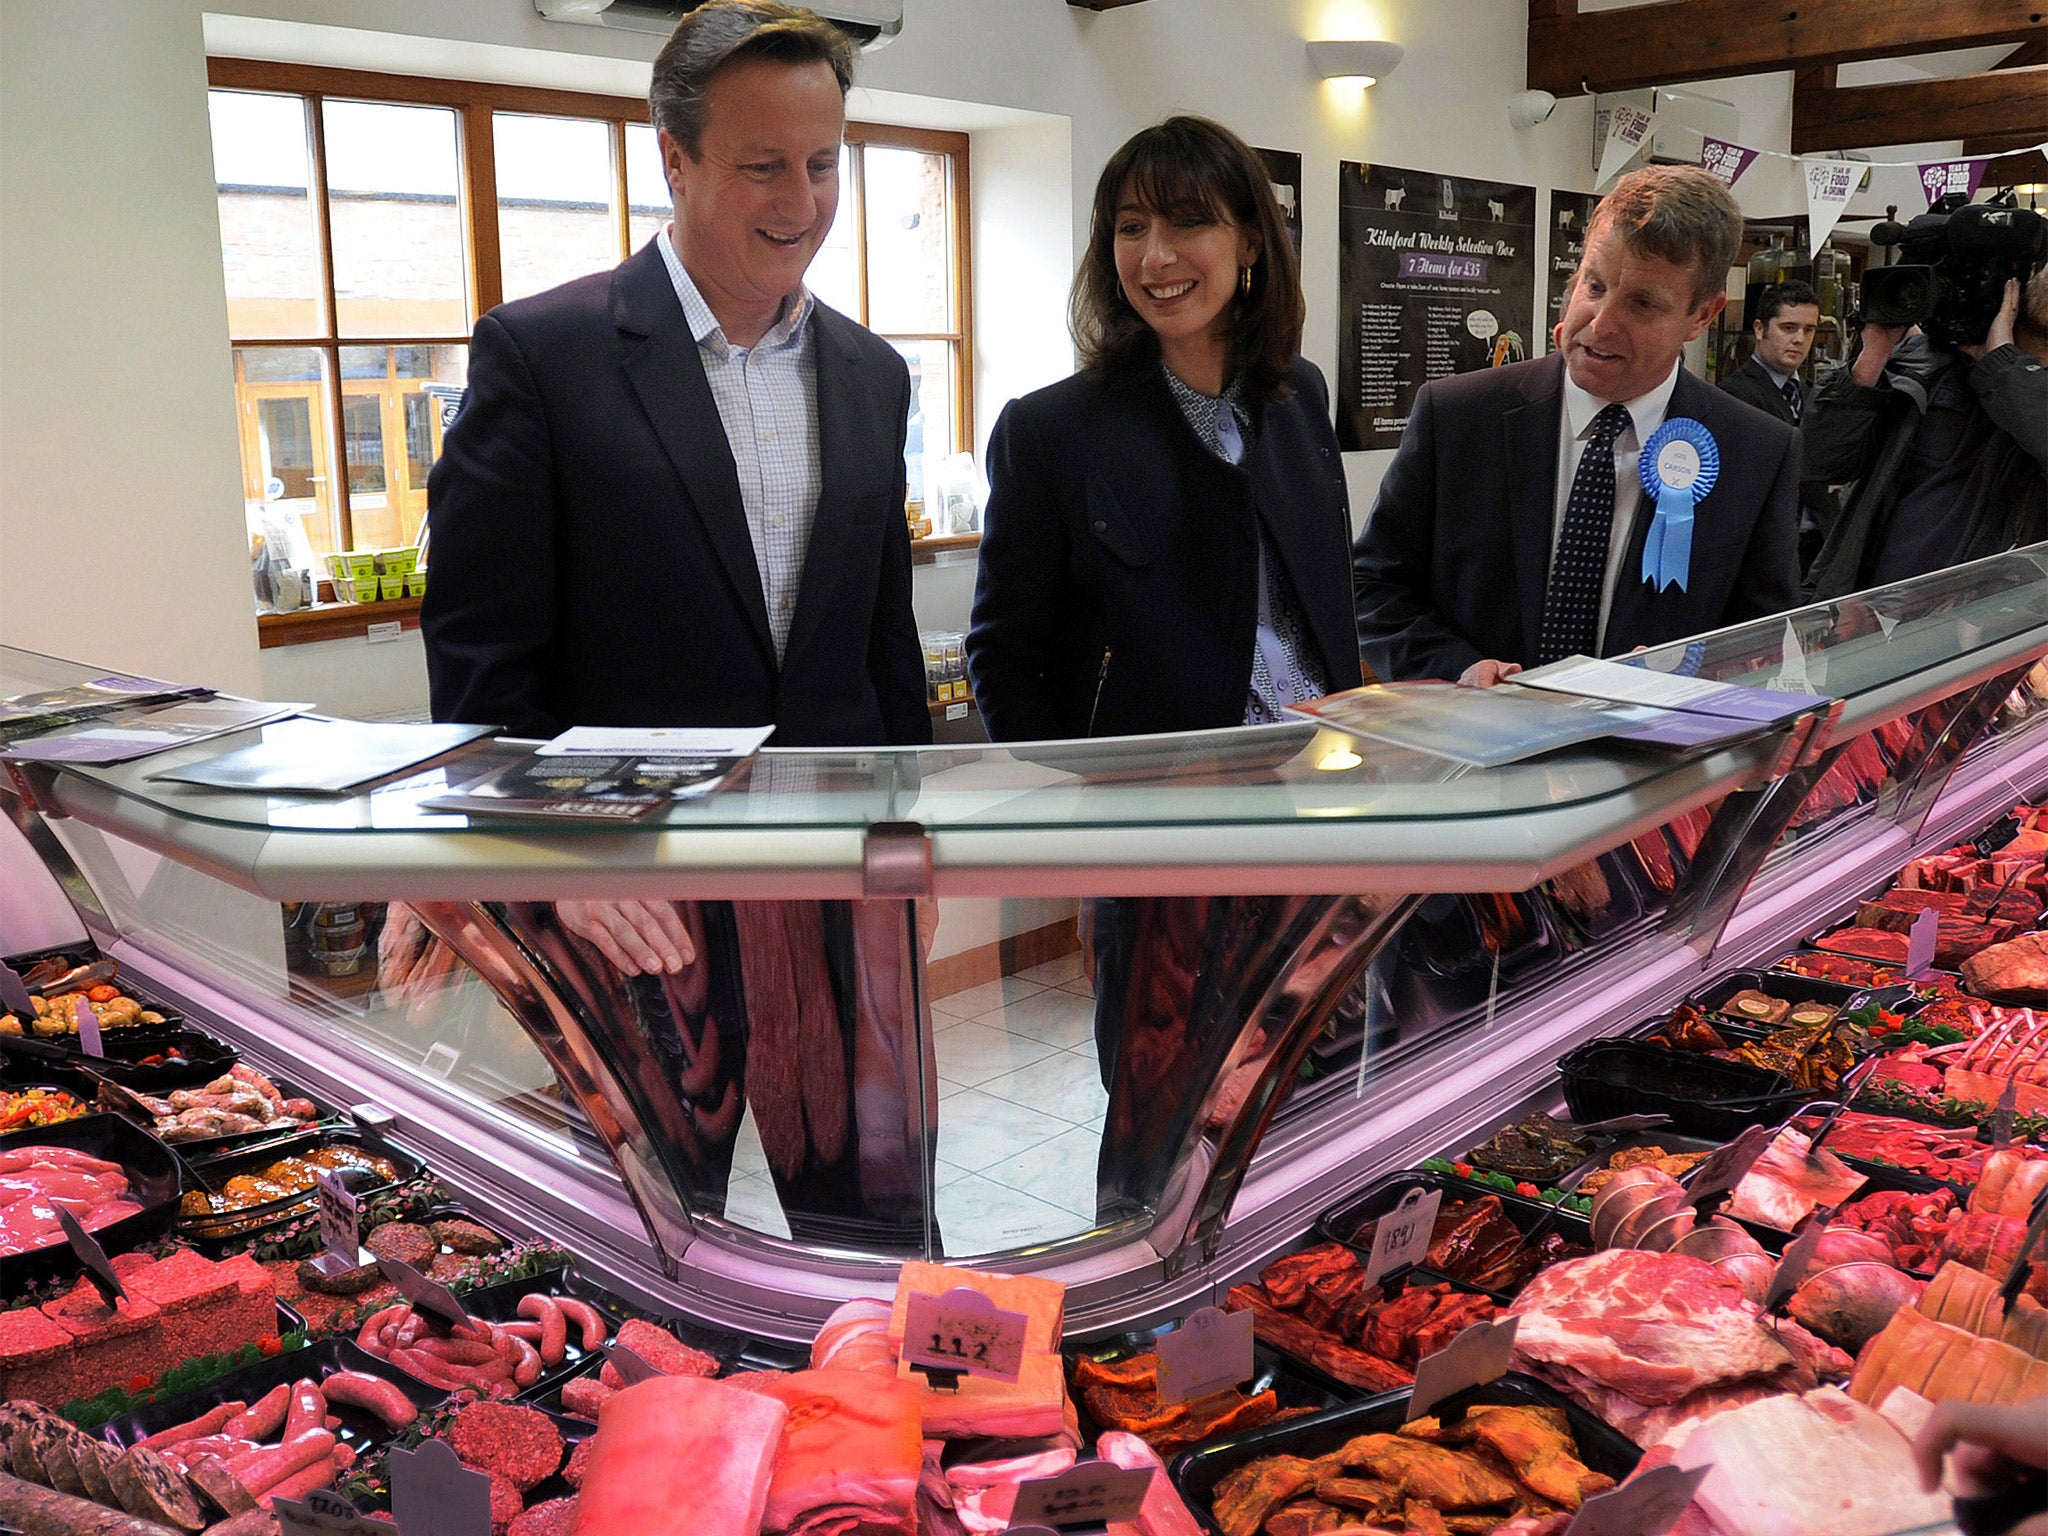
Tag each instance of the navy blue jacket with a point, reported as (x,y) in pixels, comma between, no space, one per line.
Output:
(590,559)
(1118,591)
(1452,565)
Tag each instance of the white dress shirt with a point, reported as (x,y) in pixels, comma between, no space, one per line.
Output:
(767,397)
(1575,425)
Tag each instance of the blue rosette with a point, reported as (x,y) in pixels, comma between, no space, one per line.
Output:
(1679,466)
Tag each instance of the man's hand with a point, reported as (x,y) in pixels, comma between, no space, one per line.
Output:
(2000,334)
(1879,342)
(641,938)
(1994,1444)
(1484,674)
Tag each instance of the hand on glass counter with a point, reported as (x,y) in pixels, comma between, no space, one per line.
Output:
(1484,674)
(1990,1447)
(641,938)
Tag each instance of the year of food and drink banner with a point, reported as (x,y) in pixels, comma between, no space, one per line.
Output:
(1436,275)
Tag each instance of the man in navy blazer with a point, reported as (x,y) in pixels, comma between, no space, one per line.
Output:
(674,494)
(1500,540)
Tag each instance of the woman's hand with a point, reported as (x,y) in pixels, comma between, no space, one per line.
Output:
(641,938)
(1484,674)
(1993,1445)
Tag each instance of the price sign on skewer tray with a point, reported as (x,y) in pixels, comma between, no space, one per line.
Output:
(340,1226)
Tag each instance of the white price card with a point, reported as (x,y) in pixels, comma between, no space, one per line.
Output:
(1402,1236)
(89,1041)
(1798,1259)
(1474,1358)
(1087,1493)
(433,1492)
(964,1331)
(14,995)
(1920,939)
(1210,1352)
(323,1512)
(340,1228)
(98,1269)
(1648,1504)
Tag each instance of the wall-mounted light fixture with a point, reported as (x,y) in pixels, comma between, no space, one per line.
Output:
(1356,63)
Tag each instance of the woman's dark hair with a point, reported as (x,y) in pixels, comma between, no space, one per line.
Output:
(1191,166)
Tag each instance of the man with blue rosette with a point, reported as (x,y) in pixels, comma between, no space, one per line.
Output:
(1595,500)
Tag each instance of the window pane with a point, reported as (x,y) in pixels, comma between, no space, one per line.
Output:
(365,362)
(362,418)
(262,169)
(834,276)
(910,278)
(287,448)
(555,218)
(930,438)
(395,207)
(392,412)
(647,195)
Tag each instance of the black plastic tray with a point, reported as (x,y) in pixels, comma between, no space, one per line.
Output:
(1607,1078)
(1340,1222)
(1626,906)
(236,1229)
(1196,1473)
(156,1177)
(1271,1371)
(76,1084)
(1774,965)
(1797,989)
(85,954)
(202,1148)
(359,1429)
(205,1057)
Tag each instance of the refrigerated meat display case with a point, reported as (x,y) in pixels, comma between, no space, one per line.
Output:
(1304,959)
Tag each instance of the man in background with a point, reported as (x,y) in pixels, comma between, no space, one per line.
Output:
(1786,321)
(1510,527)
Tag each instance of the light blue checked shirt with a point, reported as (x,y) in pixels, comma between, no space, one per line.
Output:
(767,397)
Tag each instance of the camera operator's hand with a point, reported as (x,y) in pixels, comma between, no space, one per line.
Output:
(1879,342)
(2000,334)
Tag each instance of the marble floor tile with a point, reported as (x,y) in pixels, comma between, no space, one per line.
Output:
(1066,1085)
(1060,1172)
(1056,972)
(978,1128)
(970,1052)
(977,1216)
(1056,1017)
(976,1001)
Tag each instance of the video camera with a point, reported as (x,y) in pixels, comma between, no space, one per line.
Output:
(1958,257)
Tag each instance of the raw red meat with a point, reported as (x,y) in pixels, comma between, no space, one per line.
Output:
(2011,973)
(1866,944)
(35,1182)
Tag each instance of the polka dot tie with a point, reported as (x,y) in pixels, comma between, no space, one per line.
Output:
(1571,606)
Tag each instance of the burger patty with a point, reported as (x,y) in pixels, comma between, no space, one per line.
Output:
(521,1445)
(405,1241)
(557,1517)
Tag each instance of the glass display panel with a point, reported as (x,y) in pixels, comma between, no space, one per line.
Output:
(393,399)
(270,251)
(394,201)
(929,440)
(556,218)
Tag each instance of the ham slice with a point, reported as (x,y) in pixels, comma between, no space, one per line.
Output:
(681,1456)
(984,1493)
(1163,1513)
(853,1442)
(1815,1464)
(1785,1185)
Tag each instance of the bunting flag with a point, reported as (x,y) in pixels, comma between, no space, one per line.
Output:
(1727,161)
(1939,177)
(1829,186)
(1627,128)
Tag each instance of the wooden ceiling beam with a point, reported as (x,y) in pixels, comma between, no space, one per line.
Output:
(2029,170)
(1675,40)
(1995,104)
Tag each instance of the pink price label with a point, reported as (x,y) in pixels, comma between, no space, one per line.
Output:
(89,1041)
(964,1331)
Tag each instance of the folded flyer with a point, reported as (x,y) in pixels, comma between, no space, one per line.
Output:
(583,786)
(670,741)
(324,757)
(31,714)
(1627,683)
(133,733)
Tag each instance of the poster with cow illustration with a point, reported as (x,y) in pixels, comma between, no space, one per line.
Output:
(1436,275)
(1570,212)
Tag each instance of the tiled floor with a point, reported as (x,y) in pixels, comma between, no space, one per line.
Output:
(1020,1116)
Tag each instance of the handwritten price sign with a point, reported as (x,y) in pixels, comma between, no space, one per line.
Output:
(1402,1236)
(339,1236)
(964,1331)
(326,1513)
(1087,1493)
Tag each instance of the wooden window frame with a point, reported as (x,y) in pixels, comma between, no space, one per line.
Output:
(473,103)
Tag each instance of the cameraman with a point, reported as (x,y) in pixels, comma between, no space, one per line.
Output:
(1948,448)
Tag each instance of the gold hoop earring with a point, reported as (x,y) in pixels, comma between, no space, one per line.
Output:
(1244,283)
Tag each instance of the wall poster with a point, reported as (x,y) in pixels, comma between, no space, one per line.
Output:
(1436,275)
(1569,215)
(1283,169)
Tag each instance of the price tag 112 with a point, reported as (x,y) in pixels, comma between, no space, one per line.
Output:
(1209,1352)
(1648,1504)
(1087,1493)
(1401,1237)
(966,1332)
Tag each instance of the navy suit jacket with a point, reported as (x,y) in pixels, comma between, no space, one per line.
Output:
(1753,386)
(591,563)
(1452,565)
(1118,592)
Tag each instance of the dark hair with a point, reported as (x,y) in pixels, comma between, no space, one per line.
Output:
(1189,165)
(1680,214)
(1780,296)
(721,32)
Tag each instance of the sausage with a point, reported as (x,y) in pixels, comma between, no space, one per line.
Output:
(207,1423)
(554,1325)
(321,1474)
(370,1335)
(433,1372)
(260,1471)
(344,1457)
(186,1452)
(458,1351)
(586,1317)
(526,1370)
(308,1409)
(410,1327)
(525,1329)
(373,1395)
(263,1418)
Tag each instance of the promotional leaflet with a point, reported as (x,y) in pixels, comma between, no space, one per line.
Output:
(659,741)
(30,714)
(1584,677)
(133,733)
(324,757)
(585,787)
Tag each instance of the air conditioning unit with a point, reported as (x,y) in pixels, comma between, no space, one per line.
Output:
(871,23)
(1684,119)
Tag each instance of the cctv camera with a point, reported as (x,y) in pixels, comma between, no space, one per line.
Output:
(1528,108)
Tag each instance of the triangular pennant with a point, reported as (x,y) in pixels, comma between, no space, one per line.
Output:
(1627,128)
(1725,160)
(1940,177)
(1829,186)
